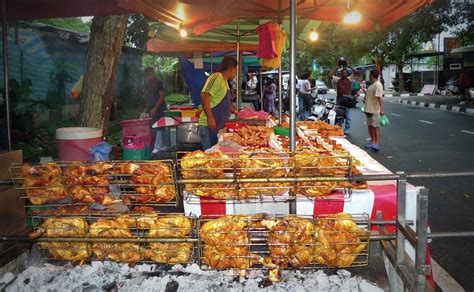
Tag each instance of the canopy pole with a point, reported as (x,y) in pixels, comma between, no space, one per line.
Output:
(292,87)
(239,69)
(260,83)
(280,93)
(212,65)
(5,72)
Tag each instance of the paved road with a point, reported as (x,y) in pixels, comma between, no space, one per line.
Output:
(428,140)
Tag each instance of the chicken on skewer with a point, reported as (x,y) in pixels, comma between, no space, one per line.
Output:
(73,227)
(43,183)
(176,226)
(338,240)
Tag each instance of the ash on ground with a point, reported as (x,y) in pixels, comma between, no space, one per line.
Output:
(110,276)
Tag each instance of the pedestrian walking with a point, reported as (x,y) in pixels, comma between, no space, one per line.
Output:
(373,109)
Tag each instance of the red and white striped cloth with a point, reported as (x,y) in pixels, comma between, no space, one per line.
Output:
(169,121)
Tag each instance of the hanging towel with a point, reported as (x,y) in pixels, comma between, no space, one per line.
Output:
(280,42)
(267,40)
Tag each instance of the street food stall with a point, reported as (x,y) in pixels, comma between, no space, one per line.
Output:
(266,198)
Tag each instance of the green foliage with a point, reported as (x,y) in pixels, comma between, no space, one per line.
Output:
(131,91)
(136,35)
(463,20)
(166,69)
(58,78)
(176,98)
(70,23)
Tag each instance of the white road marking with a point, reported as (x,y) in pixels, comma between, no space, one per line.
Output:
(426,122)
(469,132)
(397,115)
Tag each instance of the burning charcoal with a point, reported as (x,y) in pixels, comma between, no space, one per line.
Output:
(172,286)
(110,287)
(90,288)
(265,283)
(26,281)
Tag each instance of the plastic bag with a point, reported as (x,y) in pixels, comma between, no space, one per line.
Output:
(383,120)
(362,108)
(76,90)
(101,151)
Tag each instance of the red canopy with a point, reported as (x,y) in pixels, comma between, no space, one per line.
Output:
(204,15)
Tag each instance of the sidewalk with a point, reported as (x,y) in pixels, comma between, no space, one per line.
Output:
(442,102)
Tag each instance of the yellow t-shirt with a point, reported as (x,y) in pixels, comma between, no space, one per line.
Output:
(371,101)
(217,87)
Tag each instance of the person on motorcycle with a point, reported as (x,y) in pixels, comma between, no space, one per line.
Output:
(343,89)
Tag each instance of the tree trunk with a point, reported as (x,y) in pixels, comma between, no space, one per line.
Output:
(103,55)
(401,79)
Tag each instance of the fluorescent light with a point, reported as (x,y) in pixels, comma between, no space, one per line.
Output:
(353,17)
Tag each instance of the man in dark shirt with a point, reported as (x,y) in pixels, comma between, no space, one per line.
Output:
(156,107)
(343,87)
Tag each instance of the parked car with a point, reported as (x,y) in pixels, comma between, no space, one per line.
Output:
(322,88)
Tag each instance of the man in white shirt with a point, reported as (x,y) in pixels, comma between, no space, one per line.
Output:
(373,109)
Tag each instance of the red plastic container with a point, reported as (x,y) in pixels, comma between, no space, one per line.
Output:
(232,126)
(74,143)
(138,127)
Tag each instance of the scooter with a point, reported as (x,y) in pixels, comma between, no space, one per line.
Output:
(325,110)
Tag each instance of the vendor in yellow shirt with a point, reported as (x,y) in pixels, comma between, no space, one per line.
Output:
(216,102)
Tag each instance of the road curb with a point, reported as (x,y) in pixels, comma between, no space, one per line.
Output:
(439,106)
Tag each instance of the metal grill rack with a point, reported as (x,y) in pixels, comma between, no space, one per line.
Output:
(98,184)
(246,242)
(265,177)
(127,238)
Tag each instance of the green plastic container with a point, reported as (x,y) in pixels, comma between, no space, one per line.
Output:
(172,114)
(281,131)
(134,148)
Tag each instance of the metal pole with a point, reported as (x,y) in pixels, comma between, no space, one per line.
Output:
(292,85)
(401,199)
(212,65)
(5,72)
(421,269)
(239,69)
(261,90)
(292,75)
(280,87)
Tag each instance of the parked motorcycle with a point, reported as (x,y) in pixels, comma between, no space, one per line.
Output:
(326,110)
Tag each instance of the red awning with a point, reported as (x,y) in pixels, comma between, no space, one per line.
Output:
(204,15)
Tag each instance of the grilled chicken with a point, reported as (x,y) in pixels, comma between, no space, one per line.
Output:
(64,227)
(290,241)
(226,243)
(168,226)
(338,241)
(114,228)
(43,183)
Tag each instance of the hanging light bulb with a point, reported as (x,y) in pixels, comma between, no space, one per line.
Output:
(183,33)
(313,35)
(352,17)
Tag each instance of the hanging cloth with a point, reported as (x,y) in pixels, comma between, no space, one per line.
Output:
(280,45)
(267,47)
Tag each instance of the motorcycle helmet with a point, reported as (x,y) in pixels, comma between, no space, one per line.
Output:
(342,62)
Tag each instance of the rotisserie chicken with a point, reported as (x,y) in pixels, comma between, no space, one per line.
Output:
(114,228)
(64,227)
(43,183)
(175,226)
(290,241)
(226,243)
(338,240)
(153,181)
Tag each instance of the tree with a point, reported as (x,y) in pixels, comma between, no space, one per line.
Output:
(407,34)
(462,19)
(70,23)
(106,40)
